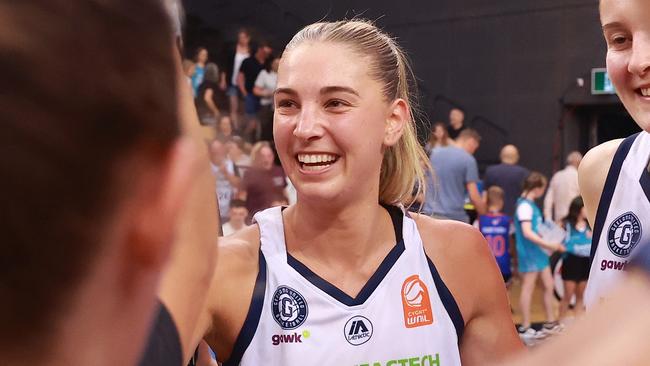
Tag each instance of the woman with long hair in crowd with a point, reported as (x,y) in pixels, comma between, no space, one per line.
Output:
(575,262)
(439,137)
(344,276)
(210,100)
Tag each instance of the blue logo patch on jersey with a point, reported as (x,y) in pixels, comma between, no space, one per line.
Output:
(289,308)
(624,234)
(358,330)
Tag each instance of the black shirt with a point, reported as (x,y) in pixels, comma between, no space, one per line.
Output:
(219,98)
(511,179)
(251,68)
(453,133)
(164,344)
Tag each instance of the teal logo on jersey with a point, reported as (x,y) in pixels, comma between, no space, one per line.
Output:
(426,360)
(289,308)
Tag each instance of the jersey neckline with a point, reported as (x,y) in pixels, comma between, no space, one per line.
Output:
(373,282)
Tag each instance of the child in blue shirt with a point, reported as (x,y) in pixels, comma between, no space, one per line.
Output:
(495,227)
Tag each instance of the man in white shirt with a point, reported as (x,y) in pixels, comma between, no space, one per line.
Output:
(562,189)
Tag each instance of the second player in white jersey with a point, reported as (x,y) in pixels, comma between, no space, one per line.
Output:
(623,217)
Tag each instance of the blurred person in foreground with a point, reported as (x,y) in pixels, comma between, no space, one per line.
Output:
(93,161)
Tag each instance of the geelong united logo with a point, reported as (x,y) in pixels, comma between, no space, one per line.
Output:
(416,303)
(624,234)
(289,308)
(357,330)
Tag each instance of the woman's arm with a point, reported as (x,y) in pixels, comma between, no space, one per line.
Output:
(527,230)
(466,265)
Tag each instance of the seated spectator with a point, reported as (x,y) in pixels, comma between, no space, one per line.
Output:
(238,152)
(225,172)
(225,130)
(237,217)
(509,176)
(211,101)
(263,181)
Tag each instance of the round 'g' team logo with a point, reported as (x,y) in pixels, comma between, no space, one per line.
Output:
(289,308)
(624,234)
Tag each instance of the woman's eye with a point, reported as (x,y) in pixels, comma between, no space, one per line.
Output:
(285,103)
(336,103)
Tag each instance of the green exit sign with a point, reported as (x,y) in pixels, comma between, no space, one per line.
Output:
(600,82)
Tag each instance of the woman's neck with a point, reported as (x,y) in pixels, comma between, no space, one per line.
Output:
(344,235)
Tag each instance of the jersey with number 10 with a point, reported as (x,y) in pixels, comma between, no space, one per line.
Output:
(496,230)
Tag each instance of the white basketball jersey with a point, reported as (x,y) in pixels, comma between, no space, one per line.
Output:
(404,315)
(623,216)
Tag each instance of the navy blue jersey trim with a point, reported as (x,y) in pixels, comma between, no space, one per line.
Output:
(608,191)
(374,281)
(252,318)
(447,300)
(645,180)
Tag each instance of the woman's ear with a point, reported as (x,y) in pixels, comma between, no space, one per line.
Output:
(398,116)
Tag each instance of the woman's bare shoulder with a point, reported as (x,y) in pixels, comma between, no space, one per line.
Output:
(592,174)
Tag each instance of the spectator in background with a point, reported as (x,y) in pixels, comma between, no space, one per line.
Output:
(532,258)
(250,69)
(509,176)
(238,153)
(263,181)
(458,174)
(210,101)
(225,131)
(264,87)
(229,77)
(439,137)
(456,123)
(188,71)
(237,217)
(200,59)
(576,260)
(563,189)
(495,227)
(226,176)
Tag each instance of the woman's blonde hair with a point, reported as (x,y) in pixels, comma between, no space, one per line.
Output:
(401,168)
